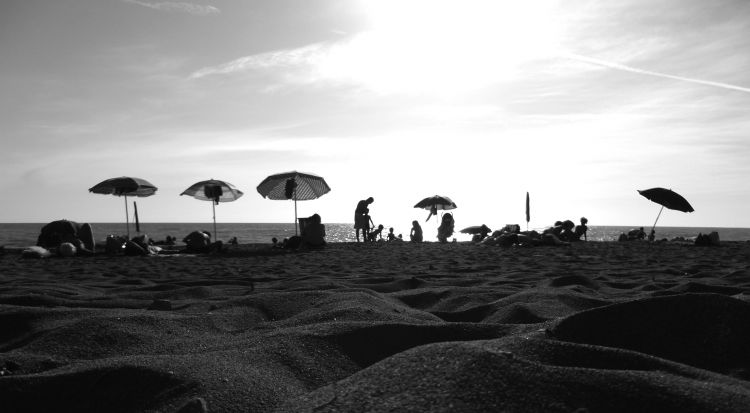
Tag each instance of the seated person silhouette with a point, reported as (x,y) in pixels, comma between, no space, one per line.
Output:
(445,229)
(391,235)
(636,234)
(376,234)
(567,232)
(314,232)
(416,232)
(197,242)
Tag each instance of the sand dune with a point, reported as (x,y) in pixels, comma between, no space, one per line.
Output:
(385,327)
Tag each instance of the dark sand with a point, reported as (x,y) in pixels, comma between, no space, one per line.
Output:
(590,327)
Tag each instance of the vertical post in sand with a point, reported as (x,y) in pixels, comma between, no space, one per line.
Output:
(137,221)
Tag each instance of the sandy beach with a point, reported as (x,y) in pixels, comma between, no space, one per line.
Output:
(597,326)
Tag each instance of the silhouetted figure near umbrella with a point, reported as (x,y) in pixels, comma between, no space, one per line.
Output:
(636,234)
(313,233)
(361,218)
(445,229)
(200,242)
(415,235)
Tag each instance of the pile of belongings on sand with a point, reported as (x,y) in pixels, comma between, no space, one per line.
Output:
(562,233)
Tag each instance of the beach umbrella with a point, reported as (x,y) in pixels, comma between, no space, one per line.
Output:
(215,191)
(476,229)
(125,186)
(296,186)
(666,198)
(434,203)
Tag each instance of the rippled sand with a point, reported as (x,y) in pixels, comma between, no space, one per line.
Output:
(602,326)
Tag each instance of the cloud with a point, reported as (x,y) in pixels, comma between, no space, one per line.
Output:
(618,66)
(290,59)
(179,7)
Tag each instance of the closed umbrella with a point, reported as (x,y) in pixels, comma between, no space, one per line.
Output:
(125,186)
(215,191)
(435,203)
(666,198)
(296,186)
(528,211)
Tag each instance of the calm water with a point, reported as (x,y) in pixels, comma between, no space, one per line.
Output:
(26,234)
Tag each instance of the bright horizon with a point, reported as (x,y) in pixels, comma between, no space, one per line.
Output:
(579,103)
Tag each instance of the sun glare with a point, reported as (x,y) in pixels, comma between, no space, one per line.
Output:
(443,46)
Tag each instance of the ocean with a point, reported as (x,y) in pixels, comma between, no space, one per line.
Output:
(24,234)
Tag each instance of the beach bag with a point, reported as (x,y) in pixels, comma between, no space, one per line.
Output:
(114,244)
(213,192)
(290,186)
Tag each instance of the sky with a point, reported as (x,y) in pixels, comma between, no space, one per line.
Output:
(580,103)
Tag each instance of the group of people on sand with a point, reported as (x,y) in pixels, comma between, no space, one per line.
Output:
(561,233)
(363,223)
(637,235)
(312,235)
(68,238)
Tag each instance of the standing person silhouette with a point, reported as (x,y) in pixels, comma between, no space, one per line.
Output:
(361,218)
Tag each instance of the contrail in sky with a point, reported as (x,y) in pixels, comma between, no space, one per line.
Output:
(618,66)
(174,6)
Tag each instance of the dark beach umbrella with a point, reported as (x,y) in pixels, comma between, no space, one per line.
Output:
(476,229)
(296,186)
(434,203)
(666,198)
(125,186)
(215,191)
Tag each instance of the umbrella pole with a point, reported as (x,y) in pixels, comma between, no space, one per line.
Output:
(295,216)
(213,209)
(127,218)
(657,218)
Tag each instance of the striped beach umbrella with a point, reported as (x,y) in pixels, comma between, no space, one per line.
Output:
(215,191)
(296,186)
(125,186)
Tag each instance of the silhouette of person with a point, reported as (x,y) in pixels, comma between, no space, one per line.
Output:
(197,241)
(391,235)
(367,224)
(376,234)
(416,232)
(581,230)
(313,235)
(361,218)
(445,229)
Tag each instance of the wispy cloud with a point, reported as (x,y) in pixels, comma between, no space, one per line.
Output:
(269,60)
(626,68)
(178,7)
